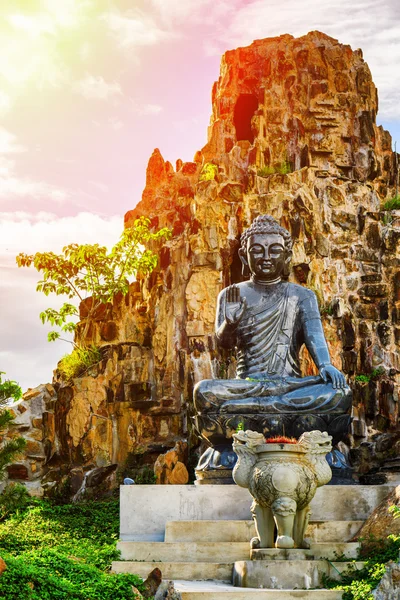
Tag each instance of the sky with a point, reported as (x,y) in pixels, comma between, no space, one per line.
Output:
(88,89)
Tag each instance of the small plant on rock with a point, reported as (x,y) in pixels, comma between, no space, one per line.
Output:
(78,362)
(392,204)
(208,172)
(283,169)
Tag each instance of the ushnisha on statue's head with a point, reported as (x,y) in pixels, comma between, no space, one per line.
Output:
(266,250)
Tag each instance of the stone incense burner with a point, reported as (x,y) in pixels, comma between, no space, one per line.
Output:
(283,479)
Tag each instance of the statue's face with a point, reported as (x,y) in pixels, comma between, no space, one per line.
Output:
(266,256)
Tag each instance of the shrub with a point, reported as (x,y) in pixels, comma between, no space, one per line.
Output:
(78,362)
(373,376)
(13,498)
(392,204)
(10,449)
(59,552)
(359,583)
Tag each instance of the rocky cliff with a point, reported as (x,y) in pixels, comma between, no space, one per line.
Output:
(293,134)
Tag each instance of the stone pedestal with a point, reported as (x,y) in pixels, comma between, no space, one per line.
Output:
(218,430)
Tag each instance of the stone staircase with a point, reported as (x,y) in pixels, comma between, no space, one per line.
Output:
(210,559)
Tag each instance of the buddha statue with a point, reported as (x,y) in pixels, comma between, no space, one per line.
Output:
(268,320)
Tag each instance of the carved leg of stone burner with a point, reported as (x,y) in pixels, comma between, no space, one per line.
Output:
(284,511)
(265,527)
(300,526)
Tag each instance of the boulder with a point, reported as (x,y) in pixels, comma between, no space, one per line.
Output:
(381,522)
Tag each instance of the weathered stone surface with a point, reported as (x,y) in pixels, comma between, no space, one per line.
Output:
(381,523)
(152,583)
(389,586)
(167,591)
(170,467)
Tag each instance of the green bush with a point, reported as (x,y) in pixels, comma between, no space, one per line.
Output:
(78,362)
(359,583)
(60,552)
(373,376)
(13,498)
(392,204)
(11,448)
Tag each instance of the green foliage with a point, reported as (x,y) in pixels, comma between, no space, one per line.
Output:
(359,583)
(78,362)
(373,376)
(14,497)
(8,450)
(392,204)
(361,378)
(395,510)
(326,310)
(89,270)
(59,552)
(283,168)
(208,172)
(9,389)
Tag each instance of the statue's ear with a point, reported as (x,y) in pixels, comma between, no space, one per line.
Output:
(286,269)
(245,264)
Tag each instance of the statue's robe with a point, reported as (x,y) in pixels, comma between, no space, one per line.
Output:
(268,339)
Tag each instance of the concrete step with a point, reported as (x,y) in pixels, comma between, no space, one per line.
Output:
(243,531)
(188,571)
(184,551)
(325,550)
(287,574)
(145,509)
(228,551)
(215,590)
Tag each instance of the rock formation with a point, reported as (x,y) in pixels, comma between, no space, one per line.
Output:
(293,134)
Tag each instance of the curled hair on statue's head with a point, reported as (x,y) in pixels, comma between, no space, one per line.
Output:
(265,224)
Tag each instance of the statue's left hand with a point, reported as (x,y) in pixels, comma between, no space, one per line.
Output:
(329,372)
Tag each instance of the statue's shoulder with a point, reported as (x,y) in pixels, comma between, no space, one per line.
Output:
(299,291)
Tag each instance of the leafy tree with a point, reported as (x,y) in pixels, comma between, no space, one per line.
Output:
(8,450)
(89,270)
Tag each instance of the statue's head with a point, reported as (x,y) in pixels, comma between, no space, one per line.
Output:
(266,249)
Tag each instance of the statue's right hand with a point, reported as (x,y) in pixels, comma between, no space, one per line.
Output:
(235,305)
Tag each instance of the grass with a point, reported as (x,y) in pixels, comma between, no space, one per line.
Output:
(283,168)
(78,362)
(392,204)
(59,552)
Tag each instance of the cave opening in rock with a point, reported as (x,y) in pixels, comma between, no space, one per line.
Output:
(245,107)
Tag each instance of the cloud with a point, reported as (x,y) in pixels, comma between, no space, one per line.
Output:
(146,109)
(94,87)
(202,12)
(12,186)
(135,28)
(8,143)
(25,354)
(5,103)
